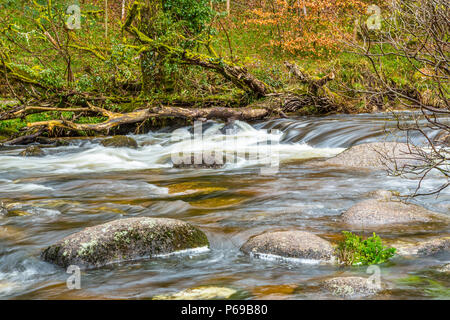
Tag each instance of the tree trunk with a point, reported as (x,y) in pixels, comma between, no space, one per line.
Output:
(152,66)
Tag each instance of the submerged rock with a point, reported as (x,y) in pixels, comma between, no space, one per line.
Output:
(3,210)
(383,194)
(123,240)
(425,248)
(32,151)
(351,287)
(445,268)
(290,244)
(200,293)
(376,156)
(120,142)
(444,140)
(377,212)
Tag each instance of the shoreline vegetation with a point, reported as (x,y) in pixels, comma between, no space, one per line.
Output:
(156,68)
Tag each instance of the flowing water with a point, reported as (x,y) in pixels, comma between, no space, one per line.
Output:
(85,184)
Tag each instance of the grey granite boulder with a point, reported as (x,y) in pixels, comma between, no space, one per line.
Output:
(124,240)
(351,287)
(290,244)
(120,142)
(378,212)
(32,151)
(376,156)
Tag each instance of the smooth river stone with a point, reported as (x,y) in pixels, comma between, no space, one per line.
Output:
(124,240)
(378,212)
(376,156)
(290,244)
(120,142)
(351,287)
(423,248)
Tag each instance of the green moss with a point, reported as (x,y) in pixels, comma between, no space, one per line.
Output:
(87,249)
(122,237)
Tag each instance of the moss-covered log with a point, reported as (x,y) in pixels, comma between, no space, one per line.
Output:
(116,119)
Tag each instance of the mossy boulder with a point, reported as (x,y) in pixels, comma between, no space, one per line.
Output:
(351,287)
(290,244)
(375,156)
(379,212)
(32,151)
(124,240)
(120,142)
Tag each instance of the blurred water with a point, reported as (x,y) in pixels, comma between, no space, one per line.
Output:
(85,184)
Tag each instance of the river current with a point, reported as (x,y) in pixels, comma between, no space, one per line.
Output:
(85,184)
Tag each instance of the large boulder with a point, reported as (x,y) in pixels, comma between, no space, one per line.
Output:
(120,142)
(290,244)
(351,287)
(32,151)
(123,240)
(378,212)
(376,156)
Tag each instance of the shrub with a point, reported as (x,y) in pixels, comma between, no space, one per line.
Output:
(308,27)
(354,250)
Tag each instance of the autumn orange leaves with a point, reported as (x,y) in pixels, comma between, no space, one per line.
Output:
(307,27)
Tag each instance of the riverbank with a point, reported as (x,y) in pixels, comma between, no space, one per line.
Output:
(112,82)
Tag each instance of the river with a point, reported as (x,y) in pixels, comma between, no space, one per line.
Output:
(85,184)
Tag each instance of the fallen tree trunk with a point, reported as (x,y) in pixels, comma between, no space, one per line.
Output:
(22,111)
(27,138)
(116,119)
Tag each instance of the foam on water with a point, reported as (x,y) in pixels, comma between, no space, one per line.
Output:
(244,145)
(273,257)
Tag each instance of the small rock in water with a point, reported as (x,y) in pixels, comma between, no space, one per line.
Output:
(202,162)
(201,293)
(120,142)
(383,194)
(3,210)
(290,244)
(375,156)
(425,248)
(444,140)
(377,212)
(32,151)
(351,287)
(124,240)
(445,268)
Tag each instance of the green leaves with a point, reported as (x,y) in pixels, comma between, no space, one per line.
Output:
(195,14)
(354,250)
